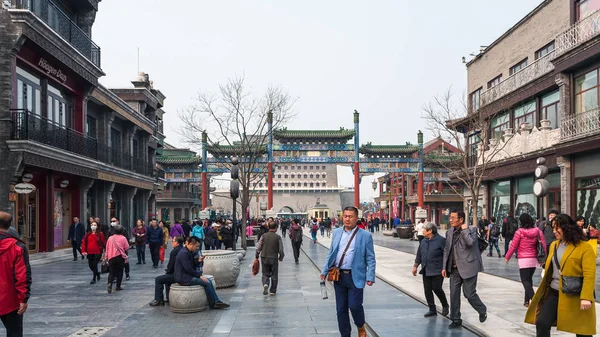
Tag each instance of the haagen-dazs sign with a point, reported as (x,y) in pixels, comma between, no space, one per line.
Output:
(24,188)
(50,70)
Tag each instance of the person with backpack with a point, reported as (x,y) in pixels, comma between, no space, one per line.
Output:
(546,228)
(313,230)
(493,236)
(296,238)
(511,225)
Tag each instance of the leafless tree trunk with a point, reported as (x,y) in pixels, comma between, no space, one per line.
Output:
(237,125)
(473,162)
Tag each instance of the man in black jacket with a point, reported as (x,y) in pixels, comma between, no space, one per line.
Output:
(76,234)
(154,239)
(165,281)
(186,273)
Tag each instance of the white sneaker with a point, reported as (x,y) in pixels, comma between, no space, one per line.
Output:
(265,289)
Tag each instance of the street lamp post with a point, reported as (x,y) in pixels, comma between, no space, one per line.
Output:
(234,192)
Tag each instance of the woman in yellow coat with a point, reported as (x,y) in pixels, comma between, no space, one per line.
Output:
(550,306)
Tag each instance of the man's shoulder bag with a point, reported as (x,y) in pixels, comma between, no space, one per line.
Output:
(333,274)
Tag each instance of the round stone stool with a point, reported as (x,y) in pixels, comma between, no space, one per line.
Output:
(187,299)
(223,265)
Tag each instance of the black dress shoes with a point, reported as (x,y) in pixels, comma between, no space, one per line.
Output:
(445,311)
(156,303)
(455,325)
(430,313)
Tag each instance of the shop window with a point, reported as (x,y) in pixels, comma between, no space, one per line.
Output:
(545,50)
(586,92)
(518,67)
(551,108)
(498,124)
(500,195)
(525,200)
(90,127)
(525,114)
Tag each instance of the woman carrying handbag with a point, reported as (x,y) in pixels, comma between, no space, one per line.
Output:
(565,297)
(526,242)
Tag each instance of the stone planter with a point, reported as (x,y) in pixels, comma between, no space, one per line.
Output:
(187,299)
(404,232)
(241,254)
(223,265)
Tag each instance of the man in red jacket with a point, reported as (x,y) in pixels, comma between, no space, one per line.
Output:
(15,279)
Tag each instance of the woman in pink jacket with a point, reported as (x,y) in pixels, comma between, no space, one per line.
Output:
(525,241)
(116,254)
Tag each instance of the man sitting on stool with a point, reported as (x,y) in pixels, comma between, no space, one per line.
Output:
(165,281)
(186,274)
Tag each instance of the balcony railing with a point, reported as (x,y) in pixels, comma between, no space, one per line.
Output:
(580,125)
(49,13)
(179,195)
(30,126)
(578,33)
(532,72)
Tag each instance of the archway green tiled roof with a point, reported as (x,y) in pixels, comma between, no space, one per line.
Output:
(231,150)
(382,150)
(341,134)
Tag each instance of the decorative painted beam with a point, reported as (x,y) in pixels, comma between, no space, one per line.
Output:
(184,180)
(320,160)
(313,147)
(389,160)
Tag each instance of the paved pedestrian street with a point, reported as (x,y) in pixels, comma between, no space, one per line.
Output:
(63,303)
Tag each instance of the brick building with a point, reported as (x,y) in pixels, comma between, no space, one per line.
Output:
(539,85)
(70,147)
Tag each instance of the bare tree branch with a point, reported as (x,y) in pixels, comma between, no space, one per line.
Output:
(237,124)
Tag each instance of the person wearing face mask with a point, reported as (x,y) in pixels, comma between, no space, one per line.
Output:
(114,223)
(139,232)
(92,246)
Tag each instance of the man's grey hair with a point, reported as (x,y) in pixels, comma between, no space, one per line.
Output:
(430,226)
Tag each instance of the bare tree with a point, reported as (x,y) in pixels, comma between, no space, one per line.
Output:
(301,207)
(237,125)
(474,160)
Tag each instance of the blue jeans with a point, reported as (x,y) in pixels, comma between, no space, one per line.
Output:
(347,296)
(494,243)
(211,294)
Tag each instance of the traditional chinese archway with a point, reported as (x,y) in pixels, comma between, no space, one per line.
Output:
(319,147)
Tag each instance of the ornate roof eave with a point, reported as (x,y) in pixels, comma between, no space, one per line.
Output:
(167,160)
(302,135)
(231,150)
(389,150)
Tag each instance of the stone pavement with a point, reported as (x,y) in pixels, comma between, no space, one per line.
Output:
(493,265)
(503,297)
(63,303)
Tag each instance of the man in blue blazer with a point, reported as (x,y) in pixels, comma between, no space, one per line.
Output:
(356,268)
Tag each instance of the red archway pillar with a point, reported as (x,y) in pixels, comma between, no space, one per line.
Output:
(270,186)
(420,189)
(357,184)
(403,198)
(205,191)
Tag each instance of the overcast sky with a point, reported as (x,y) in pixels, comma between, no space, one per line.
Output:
(384,58)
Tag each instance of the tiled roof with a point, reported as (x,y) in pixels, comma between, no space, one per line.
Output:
(370,149)
(285,134)
(223,150)
(179,160)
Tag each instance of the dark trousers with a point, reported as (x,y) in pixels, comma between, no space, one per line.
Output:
(13,323)
(270,272)
(494,243)
(433,284)
(283,230)
(527,281)
(154,249)
(296,249)
(76,248)
(160,282)
(548,314)
(115,269)
(141,253)
(347,296)
(211,293)
(469,288)
(93,260)
(507,244)
(377,227)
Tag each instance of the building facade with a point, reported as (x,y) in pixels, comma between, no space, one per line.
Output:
(398,191)
(538,85)
(70,146)
(181,197)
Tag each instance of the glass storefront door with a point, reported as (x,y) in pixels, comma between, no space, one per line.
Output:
(61,215)
(26,219)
